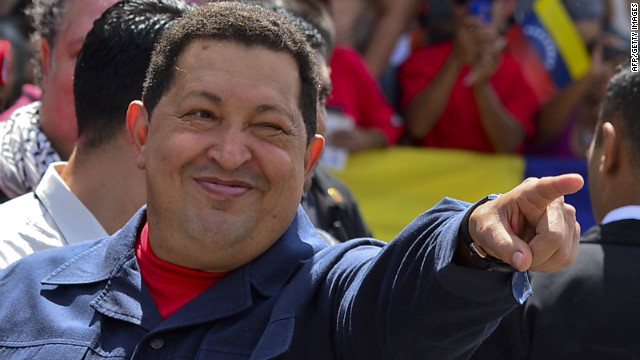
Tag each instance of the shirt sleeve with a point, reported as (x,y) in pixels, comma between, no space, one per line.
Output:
(411,301)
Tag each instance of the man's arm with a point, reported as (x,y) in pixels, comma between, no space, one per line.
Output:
(554,114)
(393,17)
(423,112)
(503,130)
(417,299)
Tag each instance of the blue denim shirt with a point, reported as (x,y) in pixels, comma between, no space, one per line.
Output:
(299,300)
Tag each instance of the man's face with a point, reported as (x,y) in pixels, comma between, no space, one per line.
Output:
(225,155)
(60,61)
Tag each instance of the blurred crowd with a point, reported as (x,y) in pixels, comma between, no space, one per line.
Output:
(418,72)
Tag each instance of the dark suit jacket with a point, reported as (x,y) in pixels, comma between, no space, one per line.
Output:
(591,310)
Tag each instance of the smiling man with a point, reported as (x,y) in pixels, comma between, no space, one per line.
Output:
(223,263)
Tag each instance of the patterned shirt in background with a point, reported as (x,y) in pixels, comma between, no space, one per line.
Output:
(25,151)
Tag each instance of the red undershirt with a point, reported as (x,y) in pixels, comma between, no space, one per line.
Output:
(171,286)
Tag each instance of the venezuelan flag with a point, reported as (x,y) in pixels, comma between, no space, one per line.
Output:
(393,186)
(552,33)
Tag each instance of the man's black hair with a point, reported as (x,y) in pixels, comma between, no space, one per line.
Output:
(621,106)
(113,62)
(248,24)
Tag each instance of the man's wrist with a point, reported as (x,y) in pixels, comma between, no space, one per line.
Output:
(478,255)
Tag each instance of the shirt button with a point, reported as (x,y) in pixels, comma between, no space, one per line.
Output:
(157,343)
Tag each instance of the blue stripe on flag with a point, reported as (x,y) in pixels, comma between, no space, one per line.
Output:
(544,45)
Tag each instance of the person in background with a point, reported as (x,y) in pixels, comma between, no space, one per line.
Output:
(467,93)
(46,131)
(372,28)
(588,311)
(359,116)
(566,121)
(100,188)
(358,99)
(329,203)
(223,262)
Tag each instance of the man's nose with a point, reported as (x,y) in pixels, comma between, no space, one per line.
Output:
(231,149)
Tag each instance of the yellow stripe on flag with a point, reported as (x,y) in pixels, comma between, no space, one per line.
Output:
(393,186)
(556,20)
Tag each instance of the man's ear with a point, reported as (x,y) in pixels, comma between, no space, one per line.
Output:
(45,55)
(138,128)
(610,149)
(314,151)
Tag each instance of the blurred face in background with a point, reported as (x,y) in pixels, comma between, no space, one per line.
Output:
(58,116)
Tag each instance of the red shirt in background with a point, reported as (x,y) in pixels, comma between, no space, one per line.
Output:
(171,286)
(357,93)
(460,125)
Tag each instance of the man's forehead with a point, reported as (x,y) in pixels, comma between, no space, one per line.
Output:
(219,59)
(198,45)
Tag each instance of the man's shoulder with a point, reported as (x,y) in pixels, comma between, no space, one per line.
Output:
(32,269)
(88,256)
(23,119)
(26,228)
(23,124)
(24,210)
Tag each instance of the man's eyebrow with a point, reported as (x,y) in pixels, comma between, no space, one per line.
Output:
(268,107)
(205,94)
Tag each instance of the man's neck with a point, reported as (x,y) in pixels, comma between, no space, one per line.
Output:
(619,191)
(107,182)
(63,146)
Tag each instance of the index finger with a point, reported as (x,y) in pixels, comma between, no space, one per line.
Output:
(544,191)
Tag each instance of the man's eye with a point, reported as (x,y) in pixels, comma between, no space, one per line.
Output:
(270,126)
(323,96)
(203,114)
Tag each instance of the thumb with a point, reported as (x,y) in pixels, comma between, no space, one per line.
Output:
(545,190)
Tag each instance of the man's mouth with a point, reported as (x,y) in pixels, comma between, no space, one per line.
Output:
(222,188)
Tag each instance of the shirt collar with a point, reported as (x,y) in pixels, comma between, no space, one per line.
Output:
(75,221)
(267,273)
(622,213)
(300,242)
